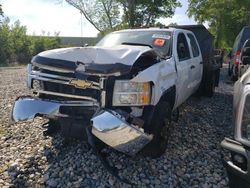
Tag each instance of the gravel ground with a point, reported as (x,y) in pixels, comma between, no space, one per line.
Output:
(192,159)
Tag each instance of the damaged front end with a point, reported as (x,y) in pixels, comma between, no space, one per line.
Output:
(61,93)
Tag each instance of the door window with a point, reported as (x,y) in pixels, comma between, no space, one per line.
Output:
(194,45)
(182,48)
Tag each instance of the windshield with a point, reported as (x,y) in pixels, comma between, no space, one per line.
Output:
(158,40)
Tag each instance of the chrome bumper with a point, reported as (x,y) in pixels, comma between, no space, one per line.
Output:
(108,126)
(113,130)
(27,108)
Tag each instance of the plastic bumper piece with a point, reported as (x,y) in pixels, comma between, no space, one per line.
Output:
(113,130)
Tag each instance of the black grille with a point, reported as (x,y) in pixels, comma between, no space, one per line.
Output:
(68,89)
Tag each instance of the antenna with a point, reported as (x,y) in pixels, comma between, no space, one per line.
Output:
(81,30)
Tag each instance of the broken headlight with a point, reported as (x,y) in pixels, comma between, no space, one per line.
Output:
(127,93)
(245,125)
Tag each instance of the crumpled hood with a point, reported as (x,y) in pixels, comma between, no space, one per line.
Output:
(95,57)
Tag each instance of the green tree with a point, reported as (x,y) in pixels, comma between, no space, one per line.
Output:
(246,4)
(16,46)
(42,43)
(225,18)
(145,12)
(5,42)
(108,15)
(20,43)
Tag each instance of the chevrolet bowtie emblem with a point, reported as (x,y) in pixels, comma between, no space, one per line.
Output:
(83,84)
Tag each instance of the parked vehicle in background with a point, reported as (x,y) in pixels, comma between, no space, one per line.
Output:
(235,66)
(238,167)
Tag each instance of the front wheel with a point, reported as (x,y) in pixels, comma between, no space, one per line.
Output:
(161,122)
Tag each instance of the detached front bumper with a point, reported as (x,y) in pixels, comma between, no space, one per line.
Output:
(238,173)
(113,130)
(107,125)
(27,108)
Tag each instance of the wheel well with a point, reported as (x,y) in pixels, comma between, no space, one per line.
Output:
(169,96)
(148,112)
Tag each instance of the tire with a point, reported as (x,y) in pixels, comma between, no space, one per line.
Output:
(235,74)
(210,86)
(161,125)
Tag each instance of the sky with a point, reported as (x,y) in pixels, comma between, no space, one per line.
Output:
(57,16)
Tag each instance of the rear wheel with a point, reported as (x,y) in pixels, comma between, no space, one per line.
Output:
(160,129)
(210,86)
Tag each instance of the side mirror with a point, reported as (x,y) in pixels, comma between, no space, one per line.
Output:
(245,53)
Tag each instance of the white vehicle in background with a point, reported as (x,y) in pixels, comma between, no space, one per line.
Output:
(238,167)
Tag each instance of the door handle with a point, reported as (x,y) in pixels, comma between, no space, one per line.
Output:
(192,67)
(201,62)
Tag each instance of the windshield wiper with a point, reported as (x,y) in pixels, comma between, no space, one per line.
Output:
(136,44)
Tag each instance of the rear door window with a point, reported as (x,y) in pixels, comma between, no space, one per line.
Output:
(194,46)
(245,36)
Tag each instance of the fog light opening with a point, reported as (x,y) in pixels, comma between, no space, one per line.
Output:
(238,158)
(36,85)
(240,161)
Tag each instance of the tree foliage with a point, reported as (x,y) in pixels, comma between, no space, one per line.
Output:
(5,41)
(17,46)
(225,17)
(102,14)
(108,15)
(145,12)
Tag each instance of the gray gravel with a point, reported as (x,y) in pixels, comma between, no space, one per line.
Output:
(193,157)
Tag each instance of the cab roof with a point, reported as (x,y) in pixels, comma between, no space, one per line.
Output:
(147,29)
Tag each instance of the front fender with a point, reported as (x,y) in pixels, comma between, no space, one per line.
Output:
(163,75)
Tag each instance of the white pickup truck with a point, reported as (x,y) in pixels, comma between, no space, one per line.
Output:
(123,90)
